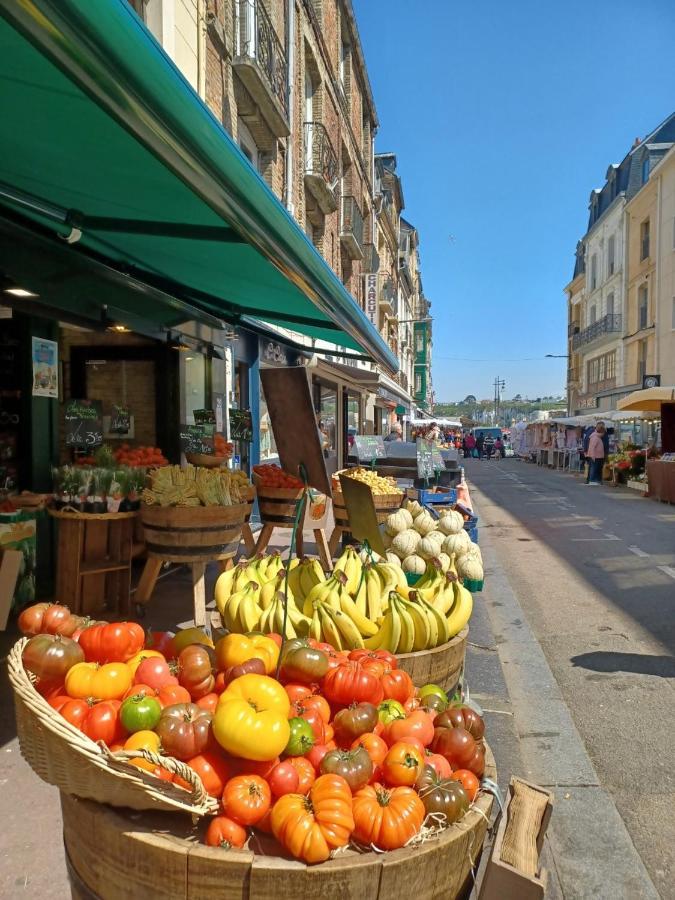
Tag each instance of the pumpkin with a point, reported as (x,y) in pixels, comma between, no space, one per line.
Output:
(445,561)
(398,521)
(424,523)
(392,558)
(456,543)
(413,507)
(414,564)
(451,522)
(405,543)
(470,567)
(427,548)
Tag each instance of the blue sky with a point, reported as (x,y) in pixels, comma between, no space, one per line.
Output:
(504,115)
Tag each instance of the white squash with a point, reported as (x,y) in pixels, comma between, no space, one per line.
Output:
(428,548)
(470,567)
(437,537)
(414,564)
(424,523)
(398,521)
(457,543)
(444,560)
(405,543)
(413,507)
(392,558)
(451,522)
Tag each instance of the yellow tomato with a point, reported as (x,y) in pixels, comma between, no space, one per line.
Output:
(251,719)
(235,649)
(136,660)
(108,682)
(191,636)
(143,740)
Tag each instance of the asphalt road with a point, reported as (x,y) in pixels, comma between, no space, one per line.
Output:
(593,570)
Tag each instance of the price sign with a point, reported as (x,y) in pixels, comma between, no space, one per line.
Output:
(84,423)
(361,513)
(120,420)
(429,459)
(369,447)
(197,439)
(204,416)
(241,425)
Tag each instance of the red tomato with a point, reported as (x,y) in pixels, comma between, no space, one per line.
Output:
(306,773)
(439,763)
(297,692)
(310,715)
(375,747)
(418,724)
(246,799)
(397,685)
(162,641)
(317,753)
(402,764)
(284,779)
(103,722)
(349,683)
(468,781)
(316,701)
(155,672)
(252,767)
(214,771)
(209,702)
(223,832)
(73,711)
(116,642)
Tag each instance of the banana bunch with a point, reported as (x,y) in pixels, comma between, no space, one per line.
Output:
(260,569)
(350,563)
(303,575)
(241,612)
(272,618)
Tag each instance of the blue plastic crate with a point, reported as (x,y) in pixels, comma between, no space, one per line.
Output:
(430,499)
(471,527)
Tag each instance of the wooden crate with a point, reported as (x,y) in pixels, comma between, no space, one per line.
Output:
(442,665)
(193,533)
(385,504)
(113,855)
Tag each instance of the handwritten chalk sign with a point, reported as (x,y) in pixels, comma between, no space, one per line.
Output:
(84,423)
(197,439)
(429,459)
(369,447)
(120,420)
(241,425)
(204,416)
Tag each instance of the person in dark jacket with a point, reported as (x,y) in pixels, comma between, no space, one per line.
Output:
(480,444)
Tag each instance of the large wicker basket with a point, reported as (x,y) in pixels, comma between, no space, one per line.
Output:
(63,756)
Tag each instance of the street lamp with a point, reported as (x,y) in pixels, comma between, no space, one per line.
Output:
(557,356)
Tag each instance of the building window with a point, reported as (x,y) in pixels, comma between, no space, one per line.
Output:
(642,361)
(644,239)
(645,170)
(345,53)
(419,342)
(610,304)
(610,256)
(418,383)
(247,145)
(643,307)
(592,315)
(594,272)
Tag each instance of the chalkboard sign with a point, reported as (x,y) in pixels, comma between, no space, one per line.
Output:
(369,447)
(84,423)
(429,459)
(204,416)
(197,439)
(241,425)
(120,420)
(361,513)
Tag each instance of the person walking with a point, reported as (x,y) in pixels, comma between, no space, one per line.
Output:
(596,454)
(469,445)
(480,443)
(396,433)
(499,448)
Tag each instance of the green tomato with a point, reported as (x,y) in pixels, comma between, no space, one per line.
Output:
(140,713)
(389,710)
(301,740)
(434,689)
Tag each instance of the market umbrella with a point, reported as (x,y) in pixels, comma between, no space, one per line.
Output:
(649,400)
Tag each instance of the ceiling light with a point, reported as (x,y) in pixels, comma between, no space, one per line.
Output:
(119,328)
(20,292)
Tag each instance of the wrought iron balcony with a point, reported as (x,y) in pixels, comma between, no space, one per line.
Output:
(387,293)
(607,384)
(260,62)
(321,166)
(573,328)
(607,325)
(371,260)
(402,379)
(351,228)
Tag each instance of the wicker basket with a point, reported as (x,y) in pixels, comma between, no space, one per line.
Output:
(63,756)
(206,460)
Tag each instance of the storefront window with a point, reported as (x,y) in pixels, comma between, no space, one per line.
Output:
(242,449)
(325,404)
(194,385)
(268,446)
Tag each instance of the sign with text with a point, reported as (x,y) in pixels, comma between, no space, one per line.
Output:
(84,423)
(241,425)
(429,459)
(204,416)
(197,439)
(371,298)
(361,513)
(120,420)
(369,447)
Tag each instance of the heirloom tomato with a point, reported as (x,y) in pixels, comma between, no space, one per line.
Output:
(48,618)
(417,724)
(306,773)
(397,685)
(439,764)
(311,827)
(73,711)
(140,713)
(190,636)
(301,738)
(224,832)
(383,656)
(353,721)
(388,710)
(351,683)
(102,722)
(456,745)
(461,716)
(317,753)
(143,740)
(284,779)
(402,764)
(235,649)
(167,695)
(161,641)
(251,719)
(312,715)
(149,666)
(387,818)
(254,666)
(374,746)
(246,799)
(111,643)
(355,766)
(110,681)
(184,730)
(214,771)
(304,664)
(469,782)
(208,702)
(195,670)
(442,796)
(50,657)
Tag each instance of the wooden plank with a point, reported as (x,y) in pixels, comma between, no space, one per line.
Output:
(264,538)
(148,580)
(323,550)
(215,872)
(10,566)
(249,540)
(95,548)
(199,595)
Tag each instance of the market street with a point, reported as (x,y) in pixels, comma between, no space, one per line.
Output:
(593,570)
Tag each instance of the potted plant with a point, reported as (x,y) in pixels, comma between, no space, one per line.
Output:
(118,490)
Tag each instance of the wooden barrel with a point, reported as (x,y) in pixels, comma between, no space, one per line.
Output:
(116,855)
(278,506)
(186,534)
(385,504)
(443,665)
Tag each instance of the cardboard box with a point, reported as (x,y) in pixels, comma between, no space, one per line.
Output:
(10,567)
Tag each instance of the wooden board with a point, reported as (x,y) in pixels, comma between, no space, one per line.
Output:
(442,665)
(122,856)
(10,566)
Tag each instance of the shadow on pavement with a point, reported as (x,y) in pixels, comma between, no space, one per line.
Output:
(637,663)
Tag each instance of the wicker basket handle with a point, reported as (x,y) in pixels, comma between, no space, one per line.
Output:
(199,796)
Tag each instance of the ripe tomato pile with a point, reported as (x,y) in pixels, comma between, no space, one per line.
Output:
(147,457)
(340,749)
(272,476)
(221,447)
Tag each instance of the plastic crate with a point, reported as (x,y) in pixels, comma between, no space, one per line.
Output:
(412,578)
(471,527)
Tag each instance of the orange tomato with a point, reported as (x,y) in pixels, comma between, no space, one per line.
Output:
(468,781)
(306,773)
(402,764)
(246,799)
(223,832)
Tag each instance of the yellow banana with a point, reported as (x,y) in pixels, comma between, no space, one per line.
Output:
(422,639)
(363,625)
(295,580)
(330,630)
(351,636)
(438,623)
(300,623)
(267,593)
(317,595)
(242,575)
(361,597)
(350,564)
(223,588)
(230,617)
(249,613)
(374,605)
(461,612)
(315,626)
(407,640)
(389,635)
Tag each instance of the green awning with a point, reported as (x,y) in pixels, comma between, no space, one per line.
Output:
(103,140)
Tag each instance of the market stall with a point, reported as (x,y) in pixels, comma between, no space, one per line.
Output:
(660,462)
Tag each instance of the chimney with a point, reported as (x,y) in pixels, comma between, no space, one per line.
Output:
(637,142)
